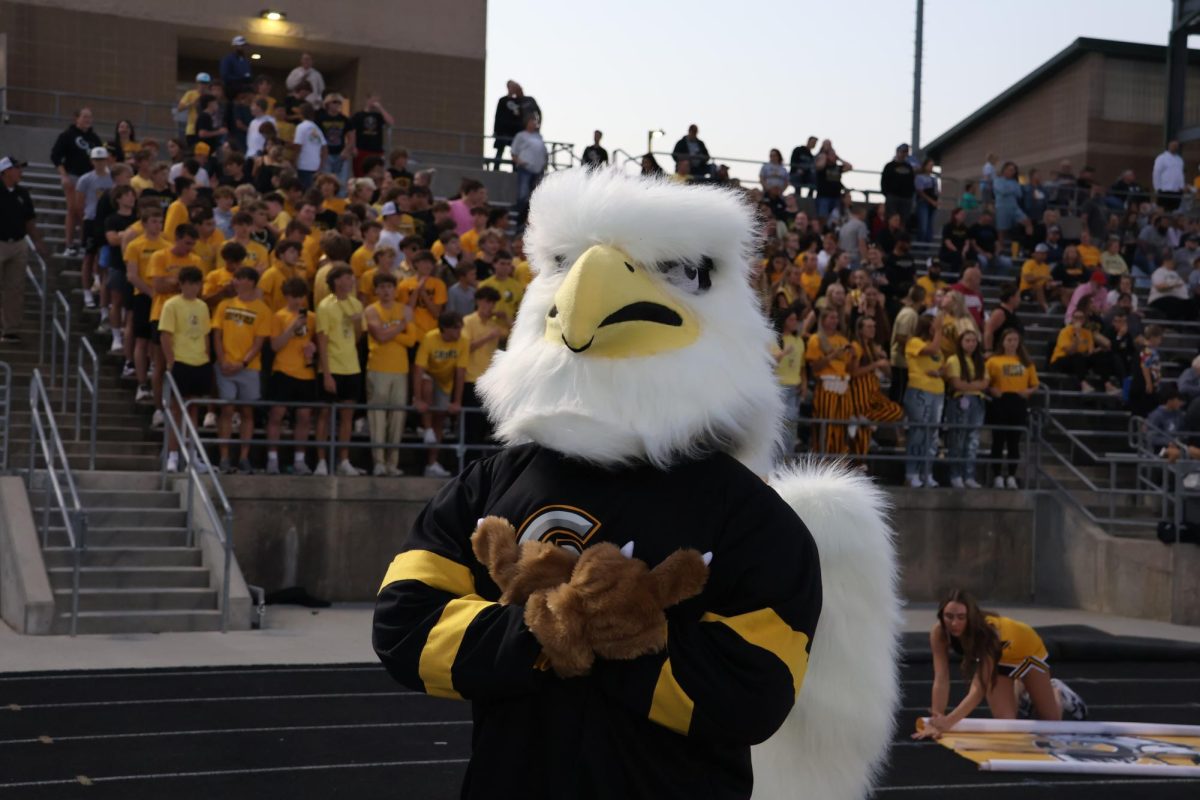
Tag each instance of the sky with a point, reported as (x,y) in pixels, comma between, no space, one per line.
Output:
(757,74)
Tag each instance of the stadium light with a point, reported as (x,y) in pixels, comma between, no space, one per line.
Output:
(650,138)
(255,56)
(273,16)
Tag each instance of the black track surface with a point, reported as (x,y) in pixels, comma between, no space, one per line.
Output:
(349,731)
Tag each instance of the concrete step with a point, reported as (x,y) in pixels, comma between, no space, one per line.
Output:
(130,577)
(138,621)
(93,499)
(123,537)
(104,432)
(127,517)
(79,461)
(126,600)
(125,556)
(101,480)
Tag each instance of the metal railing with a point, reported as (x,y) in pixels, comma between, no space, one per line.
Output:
(5,413)
(41,282)
(91,382)
(60,330)
(44,436)
(330,445)
(195,464)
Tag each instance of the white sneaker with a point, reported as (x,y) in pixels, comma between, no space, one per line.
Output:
(973,484)
(89,298)
(380,471)
(914,483)
(172,462)
(143,395)
(1011,483)
(360,426)
(957,483)
(394,472)
(429,437)
(322,468)
(118,342)
(301,468)
(1086,387)
(157,421)
(436,470)
(346,469)
(210,420)
(272,466)
(128,372)
(851,431)
(103,328)
(998,483)
(930,483)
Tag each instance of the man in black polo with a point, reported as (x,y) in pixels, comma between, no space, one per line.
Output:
(16,221)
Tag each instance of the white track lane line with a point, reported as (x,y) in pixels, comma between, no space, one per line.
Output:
(222,731)
(222,772)
(151,673)
(1030,784)
(239,698)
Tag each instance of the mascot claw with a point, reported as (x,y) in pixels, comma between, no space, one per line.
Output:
(627,550)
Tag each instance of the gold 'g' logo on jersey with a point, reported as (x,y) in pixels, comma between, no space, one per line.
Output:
(565,526)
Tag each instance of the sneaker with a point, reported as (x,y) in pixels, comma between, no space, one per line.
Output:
(394,472)
(103,328)
(347,470)
(172,462)
(245,467)
(226,467)
(118,342)
(360,426)
(1086,387)
(851,431)
(272,466)
(1011,483)
(322,468)
(998,483)
(1072,704)
(914,483)
(380,471)
(973,484)
(957,483)
(128,372)
(89,298)
(436,470)
(210,421)
(157,421)
(144,395)
(302,468)
(930,483)
(198,462)
(70,251)
(429,437)
(1111,389)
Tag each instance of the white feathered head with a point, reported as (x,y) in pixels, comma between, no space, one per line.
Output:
(640,337)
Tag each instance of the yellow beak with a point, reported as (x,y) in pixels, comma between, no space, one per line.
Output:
(609,307)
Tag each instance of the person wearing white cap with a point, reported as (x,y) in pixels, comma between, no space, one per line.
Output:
(17,220)
(186,110)
(88,191)
(303,73)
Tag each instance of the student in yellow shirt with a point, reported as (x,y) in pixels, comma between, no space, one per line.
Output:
(293,379)
(208,246)
(219,284)
(164,281)
(423,293)
(277,216)
(923,399)
(240,329)
(788,353)
(521,268)
(143,166)
(470,239)
(390,334)
(385,261)
(1076,352)
(257,257)
(138,330)
(483,331)
(932,281)
(828,357)
(330,186)
(285,266)
(178,213)
(439,376)
(1035,277)
(363,258)
(190,100)
(1089,254)
(510,289)
(1012,379)
(810,278)
(335,249)
(967,379)
(184,326)
(339,326)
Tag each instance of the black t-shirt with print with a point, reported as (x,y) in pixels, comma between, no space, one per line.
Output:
(165,196)
(334,126)
(368,130)
(116,223)
(829,180)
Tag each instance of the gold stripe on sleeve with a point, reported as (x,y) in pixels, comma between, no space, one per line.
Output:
(766,629)
(443,642)
(436,572)
(670,706)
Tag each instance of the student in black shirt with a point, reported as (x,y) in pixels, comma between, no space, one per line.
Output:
(983,236)
(208,130)
(120,292)
(956,240)
(900,269)
(829,169)
(336,126)
(594,155)
(367,127)
(398,168)
(801,164)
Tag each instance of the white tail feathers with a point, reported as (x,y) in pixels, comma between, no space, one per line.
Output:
(835,741)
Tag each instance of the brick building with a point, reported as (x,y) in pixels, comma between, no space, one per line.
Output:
(1098,103)
(425,60)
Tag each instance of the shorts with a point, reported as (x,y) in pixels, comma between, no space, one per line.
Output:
(93,236)
(192,381)
(245,385)
(140,306)
(349,389)
(1019,671)
(118,283)
(440,400)
(283,388)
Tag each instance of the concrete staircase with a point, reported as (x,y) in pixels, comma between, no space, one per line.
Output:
(139,573)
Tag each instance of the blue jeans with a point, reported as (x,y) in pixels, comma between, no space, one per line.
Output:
(925,214)
(921,407)
(826,205)
(305,176)
(964,442)
(339,167)
(527,181)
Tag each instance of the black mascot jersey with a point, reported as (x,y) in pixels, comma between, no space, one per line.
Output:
(677,724)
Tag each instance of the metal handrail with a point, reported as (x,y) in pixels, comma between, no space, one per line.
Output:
(5,413)
(71,510)
(60,330)
(196,462)
(92,383)
(41,287)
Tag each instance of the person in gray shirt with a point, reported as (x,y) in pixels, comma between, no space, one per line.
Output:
(852,237)
(460,297)
(90,187)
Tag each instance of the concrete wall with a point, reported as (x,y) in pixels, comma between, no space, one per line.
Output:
(26,599)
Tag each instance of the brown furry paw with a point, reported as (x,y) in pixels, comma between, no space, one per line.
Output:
(494,543)
(519,572)
(556,618)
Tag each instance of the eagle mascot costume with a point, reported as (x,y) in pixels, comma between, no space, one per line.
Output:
(633,603)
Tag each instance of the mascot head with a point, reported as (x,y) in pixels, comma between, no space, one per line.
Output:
(640,337)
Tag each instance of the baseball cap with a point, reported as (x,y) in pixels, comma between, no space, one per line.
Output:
(201,149)
(334,97)
(203,77)
(238,41)
(99,152)
(1041,248)
(1098,277)
(8,162)
(902,146)
(388,210)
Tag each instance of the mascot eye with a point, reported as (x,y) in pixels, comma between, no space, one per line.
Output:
(691,276)
(559,260)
